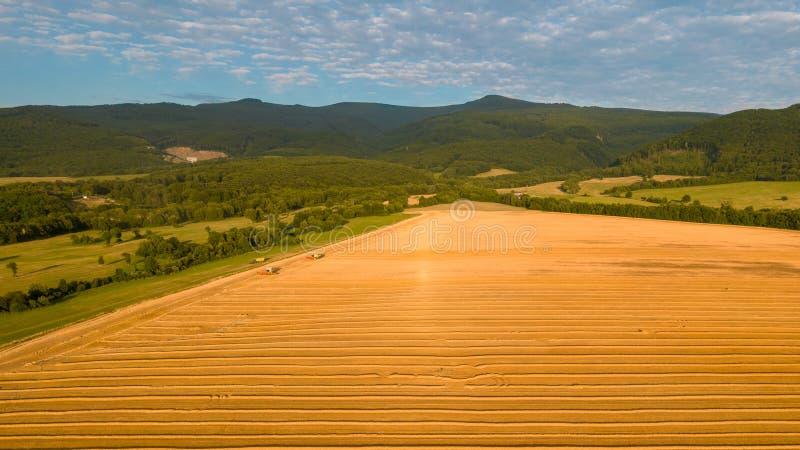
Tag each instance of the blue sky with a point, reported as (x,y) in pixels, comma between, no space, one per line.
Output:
(716,56)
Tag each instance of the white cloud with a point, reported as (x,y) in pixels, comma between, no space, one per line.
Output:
(71,38)
(138,54)
(223,53)
(584,50)
(536,38)
(294,77)
(78,49)
(168,40)
(599,34)
(185,72)
(97,17)
(106,36)
(241,74)
(239,71)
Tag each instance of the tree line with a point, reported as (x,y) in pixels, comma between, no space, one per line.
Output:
(212,191)
(693,212)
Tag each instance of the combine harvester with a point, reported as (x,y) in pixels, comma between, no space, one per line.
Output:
(315,256)
(271,270)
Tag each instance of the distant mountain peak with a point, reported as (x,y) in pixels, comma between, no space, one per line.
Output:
(494,97)
(249,100)
(494,101)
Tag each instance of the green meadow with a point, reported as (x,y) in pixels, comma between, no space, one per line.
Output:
(11,180)
(758,194)
(46,261)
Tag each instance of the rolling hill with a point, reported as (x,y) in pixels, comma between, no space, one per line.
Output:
(572,137)
(758,144)
(38,142)
(457,139)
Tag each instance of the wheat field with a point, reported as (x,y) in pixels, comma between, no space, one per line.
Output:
(446,330)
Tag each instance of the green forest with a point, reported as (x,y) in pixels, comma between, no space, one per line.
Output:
(37,142)
(757,144)
(455,139)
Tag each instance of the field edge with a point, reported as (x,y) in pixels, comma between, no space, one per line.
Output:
(239,270)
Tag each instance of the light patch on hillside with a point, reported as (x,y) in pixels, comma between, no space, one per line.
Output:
(593,187)
(11,180)
(414,199)
(494,173)
(596,186)
(539,190)
(190,155)
(93,201)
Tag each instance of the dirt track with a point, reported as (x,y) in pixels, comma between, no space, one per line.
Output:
(604,332)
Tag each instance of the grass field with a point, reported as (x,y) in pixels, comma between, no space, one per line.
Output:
(17,326)
(10,180)
(758,194)
(46,261)
(611,332)
(590,190)
(596,186)
(607,200)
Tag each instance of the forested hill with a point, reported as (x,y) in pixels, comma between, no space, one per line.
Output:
(351,117)
(531,136)
(83,140)
(491,131)
(757,144)
(250,126)
(38,142)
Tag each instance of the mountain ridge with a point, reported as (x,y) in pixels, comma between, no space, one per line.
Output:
(751,144)
(252,127)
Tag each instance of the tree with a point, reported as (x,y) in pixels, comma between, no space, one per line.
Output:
(13,267)
(686,198)
(629,194)
(151,265)
(127,257)
(101,260)
(571,185)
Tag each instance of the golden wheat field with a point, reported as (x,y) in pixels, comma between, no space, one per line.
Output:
(506,328)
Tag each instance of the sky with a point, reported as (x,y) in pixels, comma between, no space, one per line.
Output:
(716,56)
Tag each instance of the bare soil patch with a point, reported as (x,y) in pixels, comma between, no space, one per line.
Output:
(94,201)
(494,173)
(549,189)
(414,199)
(188,154)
